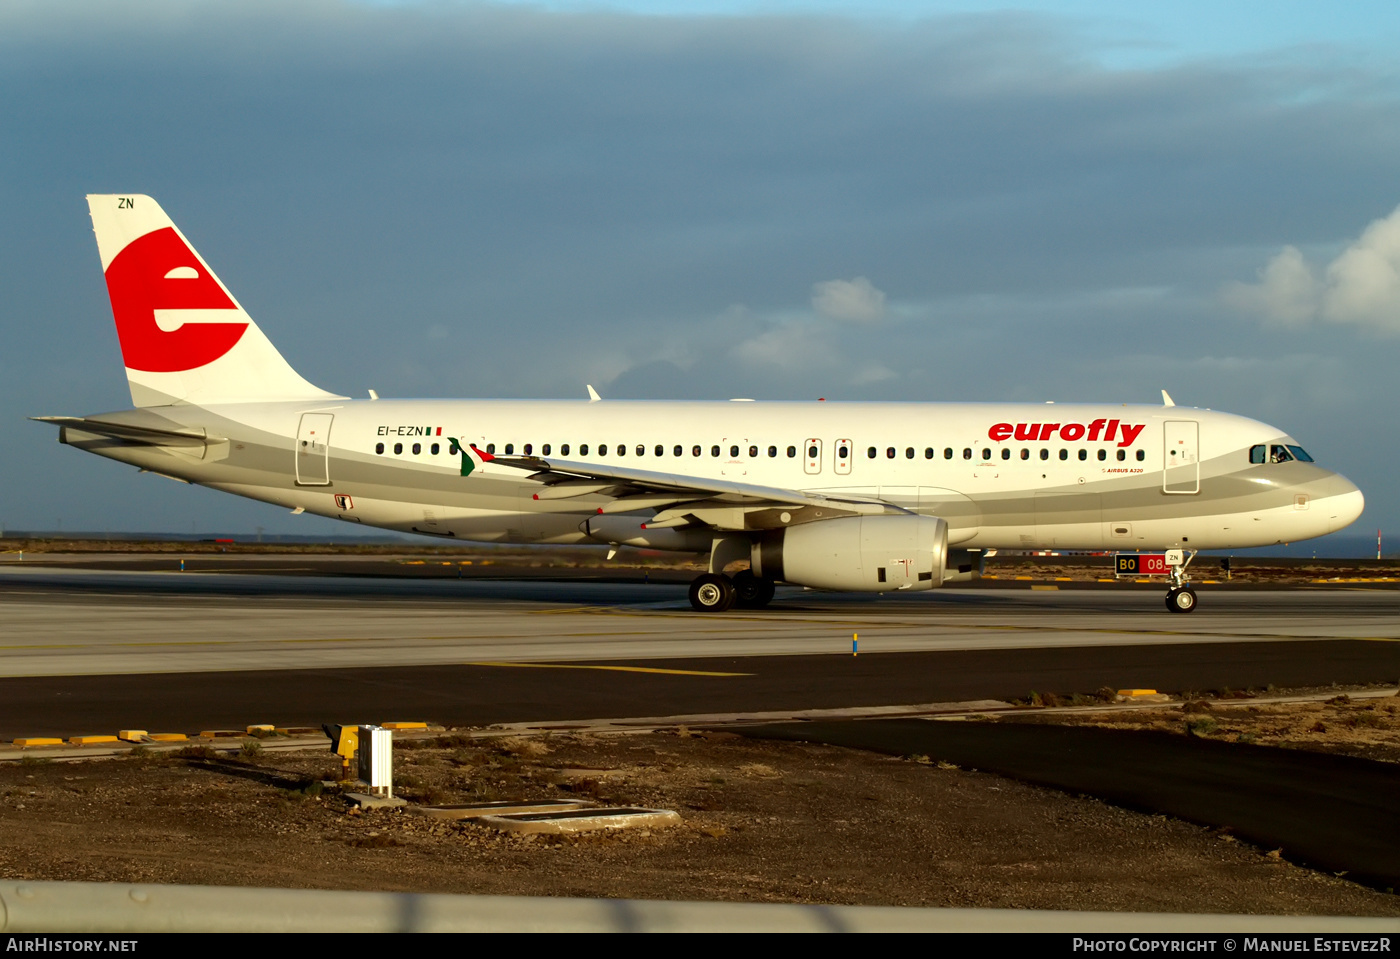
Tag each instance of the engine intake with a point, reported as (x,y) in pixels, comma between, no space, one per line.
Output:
(858,553)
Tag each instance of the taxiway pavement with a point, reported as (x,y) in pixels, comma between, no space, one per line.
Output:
(86,651)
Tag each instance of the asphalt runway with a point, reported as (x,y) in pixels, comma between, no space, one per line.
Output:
(86,651)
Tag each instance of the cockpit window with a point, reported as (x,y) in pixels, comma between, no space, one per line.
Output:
(1256,453)
(1300,453)
(1279,454)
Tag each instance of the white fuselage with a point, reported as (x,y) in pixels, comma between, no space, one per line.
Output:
(1163,477)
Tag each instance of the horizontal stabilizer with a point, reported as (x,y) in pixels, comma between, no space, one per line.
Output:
(125,431)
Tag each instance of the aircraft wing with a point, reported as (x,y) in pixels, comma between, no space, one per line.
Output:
(631,489)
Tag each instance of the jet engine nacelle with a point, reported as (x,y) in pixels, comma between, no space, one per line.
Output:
(864,553)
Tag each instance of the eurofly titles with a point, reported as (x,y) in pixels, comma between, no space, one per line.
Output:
(1109,430)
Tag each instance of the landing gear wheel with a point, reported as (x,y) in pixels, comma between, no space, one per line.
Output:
(1181,600)
(752,592)
(711,593)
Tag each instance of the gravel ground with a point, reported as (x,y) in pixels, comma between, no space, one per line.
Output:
(762,821)
(1365,727)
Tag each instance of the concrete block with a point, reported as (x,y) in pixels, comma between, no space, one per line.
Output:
(222,734)
(403,725)
(583,820)
(261,728)
(366,801)
(92,740)
(504,807)
(132,735)
(168,737)
(38,741)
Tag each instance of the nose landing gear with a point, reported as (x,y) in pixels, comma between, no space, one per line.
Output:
(1181,598)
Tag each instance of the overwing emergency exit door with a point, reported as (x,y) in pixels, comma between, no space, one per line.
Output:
(314,449)
(1181,460)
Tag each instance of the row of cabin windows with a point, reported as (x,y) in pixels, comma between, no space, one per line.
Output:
(417,448)
(930,453)
(842,452)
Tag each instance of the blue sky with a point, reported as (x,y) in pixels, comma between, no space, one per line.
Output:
(1052,201)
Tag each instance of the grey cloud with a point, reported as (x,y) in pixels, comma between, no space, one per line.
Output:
(465,199)
(855,300)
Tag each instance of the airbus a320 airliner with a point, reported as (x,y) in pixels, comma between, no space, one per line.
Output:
(837,496)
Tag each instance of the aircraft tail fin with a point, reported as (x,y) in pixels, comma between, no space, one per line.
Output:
(184,337)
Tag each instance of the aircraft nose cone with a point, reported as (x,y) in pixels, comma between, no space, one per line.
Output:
(1343,509)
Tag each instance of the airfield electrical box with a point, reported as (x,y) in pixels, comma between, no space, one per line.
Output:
(376,747)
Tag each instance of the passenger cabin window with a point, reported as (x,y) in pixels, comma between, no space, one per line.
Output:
(909,452)
(1103,455)
(434,449)
(948,453)
(733,452)
(1006,454)
(772,452)
(1122,455)
(417,448)
(753,452)
(792,452)
(510,449)
(490,448)
(602,449)
(1064,454)
(379,447)
(870,453)
(544,450)
(1025,454)
(642,450)
(621,450)
(842,452)
(695,451)
(677,450)
(398,448)
(812,452)
(967,453)
(583,449)
(661,450)
(714,450)
(928,453)
(889,452)
(1083,454)
(1045,454)
(987,453)
(527,449)
(1141,455)
(564,449)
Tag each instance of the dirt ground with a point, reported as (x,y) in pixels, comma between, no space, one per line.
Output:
(1368,728)
(762,821)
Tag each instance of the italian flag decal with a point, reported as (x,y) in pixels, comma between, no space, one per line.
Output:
(470,455)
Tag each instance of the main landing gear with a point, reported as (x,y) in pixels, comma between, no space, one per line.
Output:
(715,592)
(1181,598)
